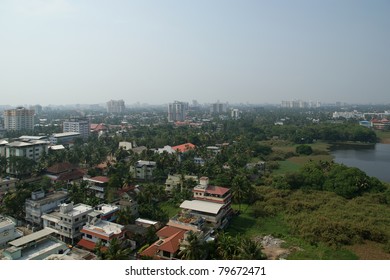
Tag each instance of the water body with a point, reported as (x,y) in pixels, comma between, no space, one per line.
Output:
(374,160)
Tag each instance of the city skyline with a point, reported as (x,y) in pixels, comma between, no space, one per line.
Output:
(69,52)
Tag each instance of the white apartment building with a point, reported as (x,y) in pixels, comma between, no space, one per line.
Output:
(177,111)
(8,230)
(68,220)
(40,204)
(77,125)
(32,149)
(116,106)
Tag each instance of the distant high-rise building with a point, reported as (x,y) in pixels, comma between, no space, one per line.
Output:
(37,109)
(218,108)
(19,119)
(235,114)
(177,111)
(81,126)
(116,106)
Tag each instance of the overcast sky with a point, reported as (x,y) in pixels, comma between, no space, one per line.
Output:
(91,51)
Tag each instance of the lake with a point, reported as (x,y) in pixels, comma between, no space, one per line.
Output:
(372,159)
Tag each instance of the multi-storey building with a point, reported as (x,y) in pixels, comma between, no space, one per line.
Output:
(177,111)
(81,126)
(212,203)
(116,106)
(32,150)
(97,185)
(143,169)
(40,204)
(218,108)
(67,220)
(8,230)
(19,119)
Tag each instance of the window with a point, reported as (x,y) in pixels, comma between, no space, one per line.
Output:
(89,236)
(76,220)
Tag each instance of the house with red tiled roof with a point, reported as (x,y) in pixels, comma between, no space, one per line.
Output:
(184,147)
(97,127)
(168,245)
(382,124)
(64,172)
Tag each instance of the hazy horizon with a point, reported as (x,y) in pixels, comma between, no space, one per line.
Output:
(88,52)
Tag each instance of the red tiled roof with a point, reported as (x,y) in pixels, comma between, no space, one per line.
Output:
(98,127)
(89,245)
(184,147)
(72,175)
(60,167)
(167,231)
(216,190)
(169,241)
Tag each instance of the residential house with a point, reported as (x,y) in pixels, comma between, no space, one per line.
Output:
(213,203)
(7,184)
(8,230)
(68,220)
(168,244)
(97,185)
(143,169)
(64,172)
(176,181)
(42,203)
(184,147)
(98,230)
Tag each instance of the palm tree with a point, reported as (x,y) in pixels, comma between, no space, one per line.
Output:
(193,248)
(227,247)
(250,250)
(117,250)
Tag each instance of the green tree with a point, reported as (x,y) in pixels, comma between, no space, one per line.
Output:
(193,248)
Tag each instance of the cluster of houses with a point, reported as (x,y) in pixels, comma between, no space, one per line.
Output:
(54,222)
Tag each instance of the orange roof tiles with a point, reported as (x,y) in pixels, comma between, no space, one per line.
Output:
(184,147)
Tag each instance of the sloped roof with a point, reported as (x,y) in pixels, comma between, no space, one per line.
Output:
(60,167)
(169,241)
(216,190)
(184,147)
(72,175)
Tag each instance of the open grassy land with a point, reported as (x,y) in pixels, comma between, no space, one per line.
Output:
(318,224)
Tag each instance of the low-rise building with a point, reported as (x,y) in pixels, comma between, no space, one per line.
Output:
(168,245)
(143,169)
(36,246)
(7,184)
(8,230)
(97,185)
(41,203)
(176,181)
(64,138)
(98,230)
(108,212)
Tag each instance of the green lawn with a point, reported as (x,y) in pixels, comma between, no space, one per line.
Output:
(171,209)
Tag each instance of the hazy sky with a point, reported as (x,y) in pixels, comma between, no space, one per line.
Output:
(91,51)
